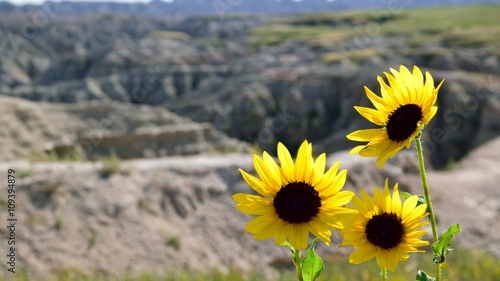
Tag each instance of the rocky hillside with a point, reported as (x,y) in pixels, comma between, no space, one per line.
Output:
(96,130)
(154,215)
(262,79)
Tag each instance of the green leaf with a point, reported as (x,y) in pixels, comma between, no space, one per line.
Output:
(441,247)
(422,276)
(405,195)
(312,265)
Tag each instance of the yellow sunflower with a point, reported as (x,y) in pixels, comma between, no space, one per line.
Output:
(384,228)
(296,198)
(404,108)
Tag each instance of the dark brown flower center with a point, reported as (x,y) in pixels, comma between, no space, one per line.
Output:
(297,202)
(403,122)
(385,230)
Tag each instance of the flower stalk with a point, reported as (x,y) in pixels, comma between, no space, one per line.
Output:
(297,262)
(383,274)
(432,217)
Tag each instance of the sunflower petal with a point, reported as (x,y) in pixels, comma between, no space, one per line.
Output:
(430,115)
(368,135)
(302,164)
(372,115)
(253,205)
(388,260)
(377,101)
(257,185)
(392,92)
(396,201)
(357,149)
(328,179)
(319,169)
(363,254)
(273,169)
(418,84)
(286,162)
(259,223)
(337,185)
(320,230)
(267,174)
(282,230)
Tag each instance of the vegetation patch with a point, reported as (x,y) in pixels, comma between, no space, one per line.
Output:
(468,264)
(453,26)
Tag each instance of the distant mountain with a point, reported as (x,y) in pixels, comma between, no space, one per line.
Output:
(219,7)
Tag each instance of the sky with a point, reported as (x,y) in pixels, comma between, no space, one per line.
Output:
(21,2)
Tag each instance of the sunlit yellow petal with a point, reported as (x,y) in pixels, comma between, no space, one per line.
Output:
(396,201)
(379,199)
(321,230)
(418,77)
(416,215)
(286,162)
(257,224)
(377,101)
(372,115)
(336,185)
(340,199)
(302,164)
(282,231)
(387,260)
(253,205)
(273,168)
(272,180)
(376,149)
(397,96)
(367,135)
(365,203)
(431,114)
(387,197)
(361,255)
(265,233)
(257,185)
(357,149)
(328,178)
(319,169)
(407,84)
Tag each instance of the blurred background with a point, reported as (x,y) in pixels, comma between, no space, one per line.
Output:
(126,123)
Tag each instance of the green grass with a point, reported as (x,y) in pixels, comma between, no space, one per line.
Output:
(277,33)
(464,265)
(451,26)
(454,26)
(24,173)
(72,155)
(110,165)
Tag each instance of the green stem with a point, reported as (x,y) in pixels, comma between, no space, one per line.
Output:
(383,274)
(432,217)
(297,262)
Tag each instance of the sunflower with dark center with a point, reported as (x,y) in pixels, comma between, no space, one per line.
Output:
(404,108)
(385,228)
(295,198)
